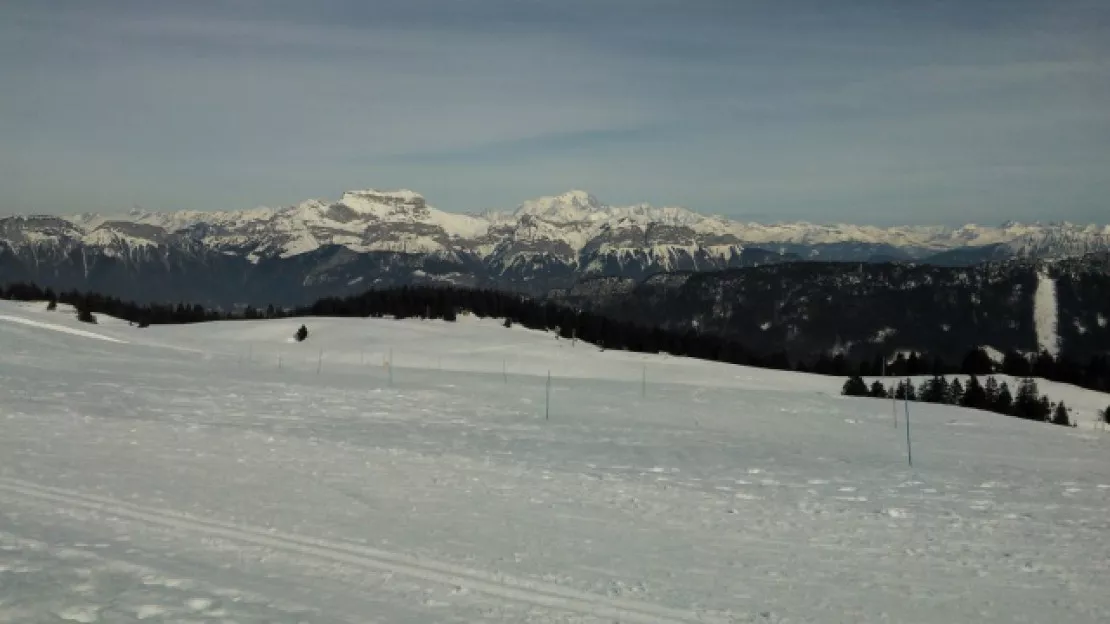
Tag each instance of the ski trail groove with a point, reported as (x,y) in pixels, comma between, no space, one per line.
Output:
(498,585)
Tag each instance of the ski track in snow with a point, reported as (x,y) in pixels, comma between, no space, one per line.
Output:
(57,328)
(1046,315)
(143,484)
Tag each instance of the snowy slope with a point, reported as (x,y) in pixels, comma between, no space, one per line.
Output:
(210,473)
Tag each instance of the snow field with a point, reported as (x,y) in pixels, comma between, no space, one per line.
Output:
(182,476)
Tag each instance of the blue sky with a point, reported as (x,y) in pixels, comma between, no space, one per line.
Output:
(862,111)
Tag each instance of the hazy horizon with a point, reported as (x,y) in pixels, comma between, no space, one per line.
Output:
(866,112)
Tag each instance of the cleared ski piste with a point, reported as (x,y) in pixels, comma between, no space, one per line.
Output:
(181,475)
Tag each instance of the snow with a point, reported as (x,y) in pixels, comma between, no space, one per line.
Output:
(994,354)
(183,475)
(883,335)
(54,327)
(1046,315)
(573,219)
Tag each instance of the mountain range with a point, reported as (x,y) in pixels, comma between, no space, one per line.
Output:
(366,238)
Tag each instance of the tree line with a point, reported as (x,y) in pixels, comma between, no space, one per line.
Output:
(1028,403)
(568,321)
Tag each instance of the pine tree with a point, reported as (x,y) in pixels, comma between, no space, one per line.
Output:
(1004,404)
(85,316)
(955,392)
(1106,415)
(1044,410)
(52,305)
(301,334)
(977,362)
(1060,416)
(974,396)
(991,390)
(935,390)
(878,390)
(1027,402)
(855,386)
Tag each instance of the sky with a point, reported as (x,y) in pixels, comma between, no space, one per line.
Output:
(859,111)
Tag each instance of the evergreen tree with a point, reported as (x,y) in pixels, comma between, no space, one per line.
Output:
(1044,366)
(855,386)
(1027,401)
(1015,364)
(85,316)
(301,334)
(1106,415)
(935,390)
(913,365)
(975,396)
(991,390)
(1004,404)
(1060,416)
(52,305)
(878,390)
(899,365)
(955,392)
(1044,410)
(977,362)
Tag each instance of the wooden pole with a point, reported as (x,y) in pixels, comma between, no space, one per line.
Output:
(909,446)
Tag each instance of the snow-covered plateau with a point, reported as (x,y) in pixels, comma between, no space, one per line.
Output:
(415,471)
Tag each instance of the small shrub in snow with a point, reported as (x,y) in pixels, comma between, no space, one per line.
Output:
(301,334)
(53,305)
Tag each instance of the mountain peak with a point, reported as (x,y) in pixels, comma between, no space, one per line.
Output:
(573,205)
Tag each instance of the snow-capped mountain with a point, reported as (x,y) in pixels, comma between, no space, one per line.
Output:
(374,236)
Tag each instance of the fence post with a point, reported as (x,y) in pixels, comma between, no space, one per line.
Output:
(909,446)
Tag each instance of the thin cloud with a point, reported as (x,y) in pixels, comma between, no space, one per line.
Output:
(849,111)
